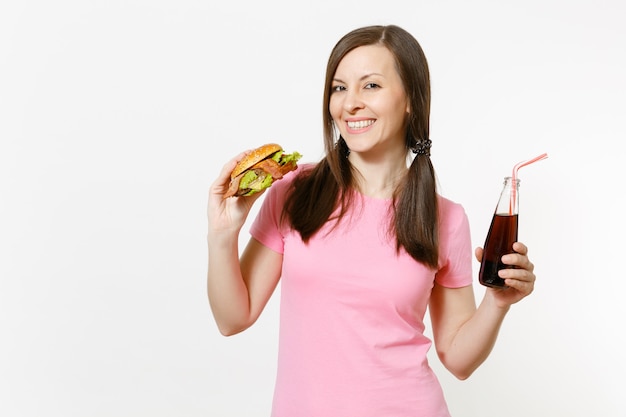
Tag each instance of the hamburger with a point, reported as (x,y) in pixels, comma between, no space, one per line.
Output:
(259,169)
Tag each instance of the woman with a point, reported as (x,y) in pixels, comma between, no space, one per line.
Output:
(362,244)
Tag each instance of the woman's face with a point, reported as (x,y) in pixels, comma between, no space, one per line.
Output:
(368,103)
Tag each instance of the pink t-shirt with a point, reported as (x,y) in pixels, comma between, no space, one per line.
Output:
(351,313)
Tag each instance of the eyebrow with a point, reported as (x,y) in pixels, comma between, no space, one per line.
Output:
(362,78)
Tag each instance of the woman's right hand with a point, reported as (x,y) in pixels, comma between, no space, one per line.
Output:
(228,214)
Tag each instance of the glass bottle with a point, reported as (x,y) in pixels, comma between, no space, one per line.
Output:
(502,234)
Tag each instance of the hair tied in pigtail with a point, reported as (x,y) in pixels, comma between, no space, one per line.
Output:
(342,146)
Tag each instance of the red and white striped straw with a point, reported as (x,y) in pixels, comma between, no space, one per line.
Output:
(514,179)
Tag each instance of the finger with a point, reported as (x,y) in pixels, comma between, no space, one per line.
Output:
(523,287)
(220,185)
(518,260)
(478,252)
(519,247)
(230,165)
(517,274)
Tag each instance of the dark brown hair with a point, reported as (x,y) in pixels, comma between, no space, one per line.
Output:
(318,191)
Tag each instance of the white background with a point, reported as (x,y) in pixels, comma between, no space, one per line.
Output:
(115,117)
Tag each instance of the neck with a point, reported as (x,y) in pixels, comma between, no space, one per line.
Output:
(378,179)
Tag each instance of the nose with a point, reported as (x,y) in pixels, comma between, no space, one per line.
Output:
(353,101)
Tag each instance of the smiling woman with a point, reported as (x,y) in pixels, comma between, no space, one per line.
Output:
(369,106)
(113,114)
(352,326)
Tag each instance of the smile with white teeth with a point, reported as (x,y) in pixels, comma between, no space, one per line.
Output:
(360,124)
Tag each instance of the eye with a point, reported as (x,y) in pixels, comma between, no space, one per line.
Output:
(371,86)
(336,88)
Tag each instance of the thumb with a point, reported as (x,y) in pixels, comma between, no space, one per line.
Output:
(478,252)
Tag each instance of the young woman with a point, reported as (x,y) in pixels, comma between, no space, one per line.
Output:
(362,245)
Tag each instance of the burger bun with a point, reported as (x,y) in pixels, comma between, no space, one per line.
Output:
(254,157)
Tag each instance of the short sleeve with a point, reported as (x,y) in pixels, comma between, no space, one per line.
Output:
(455,258)
(266,227)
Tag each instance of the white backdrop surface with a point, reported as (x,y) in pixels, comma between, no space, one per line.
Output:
(115,116)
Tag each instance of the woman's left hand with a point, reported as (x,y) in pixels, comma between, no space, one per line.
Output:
(520,279)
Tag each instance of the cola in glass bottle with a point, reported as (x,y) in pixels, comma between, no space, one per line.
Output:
(502,234)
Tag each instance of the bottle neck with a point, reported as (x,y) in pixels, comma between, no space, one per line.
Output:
(509,198)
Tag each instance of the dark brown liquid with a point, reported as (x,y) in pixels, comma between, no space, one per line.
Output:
(502,234)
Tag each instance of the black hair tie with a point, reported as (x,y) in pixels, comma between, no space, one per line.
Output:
(422,147)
